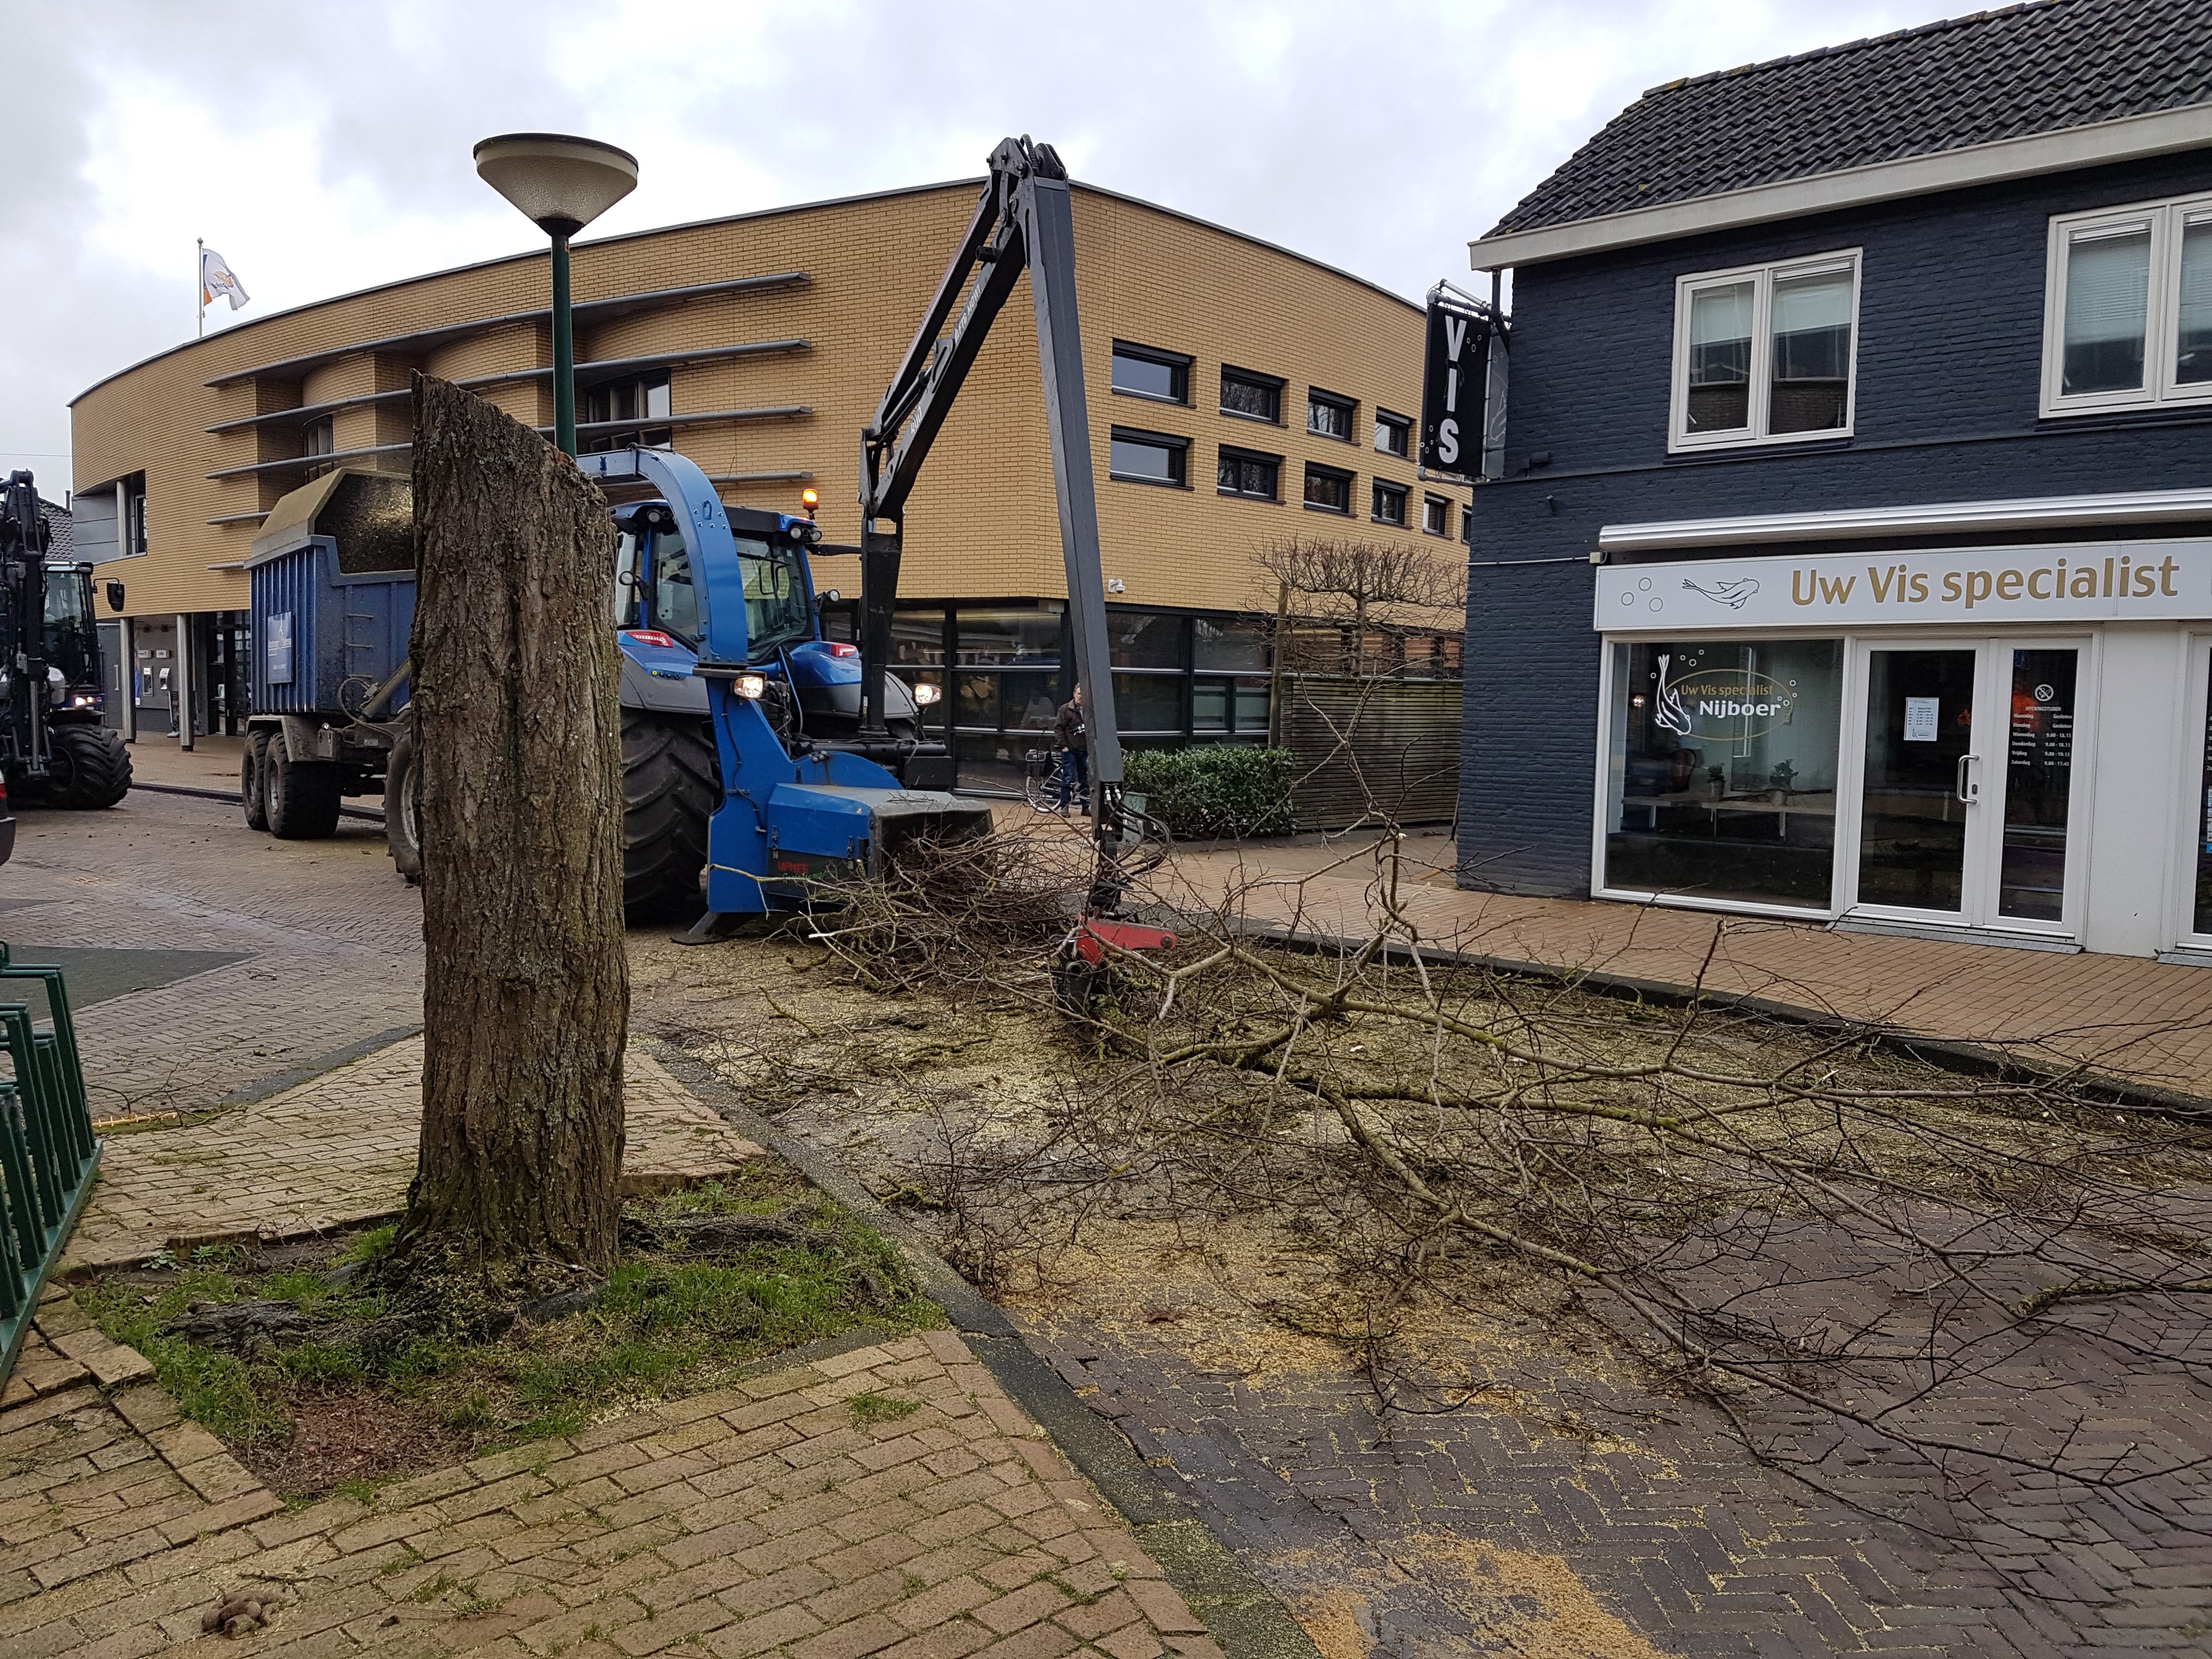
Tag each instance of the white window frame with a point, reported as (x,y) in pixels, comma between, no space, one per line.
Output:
(2161,322)
(1679,438)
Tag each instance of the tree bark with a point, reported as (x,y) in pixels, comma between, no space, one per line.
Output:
(526,993)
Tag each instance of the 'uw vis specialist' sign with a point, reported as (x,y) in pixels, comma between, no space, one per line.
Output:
(2078,582)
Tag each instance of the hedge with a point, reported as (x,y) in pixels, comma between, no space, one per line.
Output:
(1215,788)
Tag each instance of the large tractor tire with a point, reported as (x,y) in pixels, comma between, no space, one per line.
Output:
(89,767)
(403,809)
(672,784)
(252,755)
(301,798)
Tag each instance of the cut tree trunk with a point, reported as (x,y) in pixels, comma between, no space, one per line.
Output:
(526,993)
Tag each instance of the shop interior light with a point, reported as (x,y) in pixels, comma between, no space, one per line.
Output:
(926,694)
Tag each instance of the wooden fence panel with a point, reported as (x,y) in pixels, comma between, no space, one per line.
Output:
(1368,749)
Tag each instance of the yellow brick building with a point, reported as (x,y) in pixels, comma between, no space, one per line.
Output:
(758,345)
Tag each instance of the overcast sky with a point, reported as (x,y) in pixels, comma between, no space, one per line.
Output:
(325,147)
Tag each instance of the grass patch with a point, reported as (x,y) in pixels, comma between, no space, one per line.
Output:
(669,1322)
(877,1406)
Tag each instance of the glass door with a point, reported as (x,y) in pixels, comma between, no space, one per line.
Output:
(1966,798)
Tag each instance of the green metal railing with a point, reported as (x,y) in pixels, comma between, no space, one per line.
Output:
(48,1155)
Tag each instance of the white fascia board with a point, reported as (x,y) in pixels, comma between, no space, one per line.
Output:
(1936,517)
(2161,133)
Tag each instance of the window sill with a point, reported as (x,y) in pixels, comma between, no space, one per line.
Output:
(2137,409)
(1331,436)
(1388,523)
(1157,483)
(1391,454)
(1678,448)
(1148,396)
(1332,512)
(1256,420)
(1242,495)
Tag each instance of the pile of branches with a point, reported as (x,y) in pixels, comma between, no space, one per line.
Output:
(955,913)
(1842,1249)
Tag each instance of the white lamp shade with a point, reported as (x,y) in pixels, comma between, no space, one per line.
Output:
(561,183)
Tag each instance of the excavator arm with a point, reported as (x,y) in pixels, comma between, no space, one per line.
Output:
(1022,222)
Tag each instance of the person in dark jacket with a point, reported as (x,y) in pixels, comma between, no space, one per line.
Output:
(1074,739)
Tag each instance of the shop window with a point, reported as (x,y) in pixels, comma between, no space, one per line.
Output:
(1145,372)
(1243,472)
(1721,780)
(1389,503)
(1144,639)
(1392,434)
(1250,396)
(1328,416)
(2201,920)
(2130,321)
(1148,703)
(623,406)
(1436,515)
(1328,488)
(1009,638)
(1210,704)
(1152,457)
(1225,644)
(918,638)
(1764,354)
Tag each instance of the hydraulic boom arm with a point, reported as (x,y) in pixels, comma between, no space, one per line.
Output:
(1022,222)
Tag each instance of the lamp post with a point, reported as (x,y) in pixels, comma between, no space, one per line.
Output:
(560,183)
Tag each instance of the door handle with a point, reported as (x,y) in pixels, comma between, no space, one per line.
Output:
(1967,790)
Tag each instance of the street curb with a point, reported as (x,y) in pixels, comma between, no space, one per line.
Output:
(1242,1613)
(1947,1053)
(230,796)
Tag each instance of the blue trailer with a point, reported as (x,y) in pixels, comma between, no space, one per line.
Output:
(332,576)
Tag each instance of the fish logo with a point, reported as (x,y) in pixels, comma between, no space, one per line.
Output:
(1731,593)
(1671,714)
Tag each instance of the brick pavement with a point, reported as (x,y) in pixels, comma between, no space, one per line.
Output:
(2130,1018)
(339,1150)
(329,941)
(766,1518)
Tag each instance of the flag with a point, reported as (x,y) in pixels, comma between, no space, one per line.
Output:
(216,281)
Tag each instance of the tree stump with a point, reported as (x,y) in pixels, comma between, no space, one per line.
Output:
(526,993)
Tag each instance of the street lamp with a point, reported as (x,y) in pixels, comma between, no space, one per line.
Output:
(560,183)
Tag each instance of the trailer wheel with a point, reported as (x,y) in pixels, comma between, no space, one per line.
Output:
(302,797)
(671,783)
(90,767)
(252,759)
(403,811)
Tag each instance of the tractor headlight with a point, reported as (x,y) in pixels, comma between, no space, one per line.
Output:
(753,686)
(85,700)
(926,694)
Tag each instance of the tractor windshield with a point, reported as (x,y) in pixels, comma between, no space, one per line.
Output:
(776,612)
(69,641)
(675,600)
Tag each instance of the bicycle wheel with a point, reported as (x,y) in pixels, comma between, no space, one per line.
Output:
(1041,779)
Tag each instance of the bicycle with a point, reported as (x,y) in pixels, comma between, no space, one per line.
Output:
(1041,774)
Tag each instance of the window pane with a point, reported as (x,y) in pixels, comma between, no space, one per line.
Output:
(2038,784)
(1148,703)
(918,636)
(1209,705)
(2192,363)
(976,702)
(1246,475)
(1436,515)
(1029,638)
(1389,504)
(1328,418)
(1230,644)
(1138,458)
(1147,377)
(2203,916)
(1144,639)
(2107,278)
(1720,358)
(1332,490)
(1261,399)
(1390,435)
(1252,708)
(1030,700)
(1723,777)
(1811,362)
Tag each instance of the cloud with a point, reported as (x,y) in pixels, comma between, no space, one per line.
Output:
(326,149)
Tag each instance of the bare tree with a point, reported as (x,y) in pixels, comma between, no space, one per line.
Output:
(1358,584)
(525,988)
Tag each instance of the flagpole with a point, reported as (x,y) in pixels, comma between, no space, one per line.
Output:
(199,282)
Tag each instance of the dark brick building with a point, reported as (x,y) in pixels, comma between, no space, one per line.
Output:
(1853,556)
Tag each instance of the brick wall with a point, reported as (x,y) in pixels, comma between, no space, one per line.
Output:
(1949,362)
